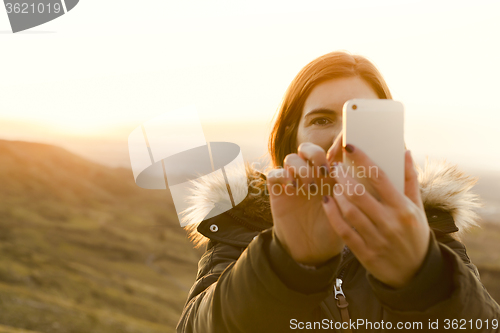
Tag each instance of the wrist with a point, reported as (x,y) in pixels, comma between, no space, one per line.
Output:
(434,280)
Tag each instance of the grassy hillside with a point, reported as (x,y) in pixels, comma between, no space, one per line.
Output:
(83,249)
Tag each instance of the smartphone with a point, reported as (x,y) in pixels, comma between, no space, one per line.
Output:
(376,126)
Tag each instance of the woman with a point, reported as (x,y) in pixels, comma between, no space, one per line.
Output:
(281,260)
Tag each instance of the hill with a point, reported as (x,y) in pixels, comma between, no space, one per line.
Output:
(83,249)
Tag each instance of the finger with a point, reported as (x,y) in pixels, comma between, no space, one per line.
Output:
(412,186)
(299,169)
(350,237)
(354,216)
(279,177)
(356,193)
(375,176)
(316,156)
(334,154)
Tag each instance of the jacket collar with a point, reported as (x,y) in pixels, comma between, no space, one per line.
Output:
(449,205)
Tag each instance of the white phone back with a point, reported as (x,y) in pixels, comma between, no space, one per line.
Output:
(376,126)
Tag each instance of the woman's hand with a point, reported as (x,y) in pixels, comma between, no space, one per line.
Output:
(389,237)
(296,191)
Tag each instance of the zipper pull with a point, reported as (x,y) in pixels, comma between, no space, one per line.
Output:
(338,288)
(342,304)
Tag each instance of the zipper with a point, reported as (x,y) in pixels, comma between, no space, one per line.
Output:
(338,289)
(339,293)
(347,258)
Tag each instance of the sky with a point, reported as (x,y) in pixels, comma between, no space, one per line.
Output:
(87,79)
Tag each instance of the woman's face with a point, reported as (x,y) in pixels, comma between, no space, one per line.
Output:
(321,119)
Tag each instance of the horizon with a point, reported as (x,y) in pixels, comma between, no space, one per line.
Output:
(112,150)
(114,154)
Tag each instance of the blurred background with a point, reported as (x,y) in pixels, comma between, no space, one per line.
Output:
(83,249)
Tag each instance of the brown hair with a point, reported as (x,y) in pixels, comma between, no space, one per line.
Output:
(334,65)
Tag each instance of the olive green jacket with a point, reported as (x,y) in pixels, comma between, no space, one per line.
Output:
(247,282)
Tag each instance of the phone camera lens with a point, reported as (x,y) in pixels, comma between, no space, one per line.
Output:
(354,107)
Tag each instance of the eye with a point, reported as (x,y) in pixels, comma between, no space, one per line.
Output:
(321,121)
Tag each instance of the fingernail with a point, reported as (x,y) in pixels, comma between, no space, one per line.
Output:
(325,198)
(324,170)
(294,183)
(349,148)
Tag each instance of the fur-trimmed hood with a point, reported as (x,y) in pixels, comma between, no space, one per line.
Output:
(442,185)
